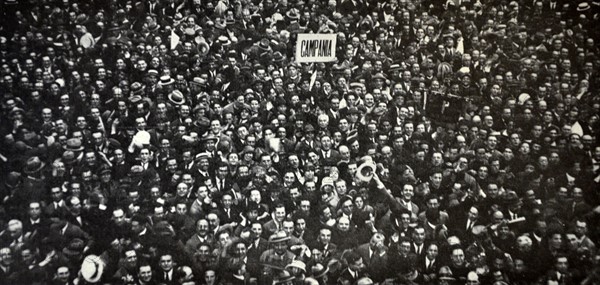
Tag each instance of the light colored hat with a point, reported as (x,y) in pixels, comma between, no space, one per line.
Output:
(92,268)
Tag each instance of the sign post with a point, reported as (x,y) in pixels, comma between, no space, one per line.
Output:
(316,47)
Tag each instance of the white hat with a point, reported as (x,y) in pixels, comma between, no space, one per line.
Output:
(92,268)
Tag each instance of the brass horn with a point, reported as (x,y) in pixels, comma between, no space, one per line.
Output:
(365,171)
(203,47)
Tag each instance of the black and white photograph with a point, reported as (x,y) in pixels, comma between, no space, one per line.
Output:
(299,142)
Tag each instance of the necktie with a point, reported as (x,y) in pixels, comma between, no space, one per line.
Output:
(468,224)
(167,276)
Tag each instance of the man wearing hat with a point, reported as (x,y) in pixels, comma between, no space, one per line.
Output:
(278,257)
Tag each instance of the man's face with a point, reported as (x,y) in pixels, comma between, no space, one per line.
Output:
(419,236)
(432,252)
(343,224)
(63,274)
(407,192)
(458,257)
(145,273)
(357,265)
(35,210)
(562,265)
(325,236)
(131,258)
(119,217)
(256,230)
(166,262)
(280,214)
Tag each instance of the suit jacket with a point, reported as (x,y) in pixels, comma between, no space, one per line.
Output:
(432,269)
(347,278)
(62,238)
(375,264)
(234,215)
(192,243)
(160,277)
(254,252)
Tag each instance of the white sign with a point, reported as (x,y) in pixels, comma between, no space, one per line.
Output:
(315,47)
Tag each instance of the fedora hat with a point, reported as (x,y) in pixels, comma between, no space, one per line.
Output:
(33,165)
(199,81)
(209,137)
(283,277)
(176,97)
(166,80)
(221,24)
(583,6)
(153,27)
(13,179)
(137,88)
(264,45)
(134,99)
(293,14)
(73,144)
(278,57)
(378,76)
(92,268)
(279,236)
(141,138)
(75,247)
(297,264)
(224,41)
(68,157)
(318,270)
(16,110)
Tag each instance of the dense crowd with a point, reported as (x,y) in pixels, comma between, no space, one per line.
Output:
(180,142)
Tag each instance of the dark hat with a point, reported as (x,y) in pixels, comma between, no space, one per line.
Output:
(13,179)
(252,206)
(264,45)
(353,110)
(153,27)
(68,157)
(278,57)
(16,110)
(378,76)
(511,198)
(104,170)
(176,97)
(136,170)
(229,21)
(134,99)
(75,247)
(283,277)
(73,144)
(247,149)
(209,137)
(309,128)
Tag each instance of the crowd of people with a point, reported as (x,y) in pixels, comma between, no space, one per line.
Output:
(180,142)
